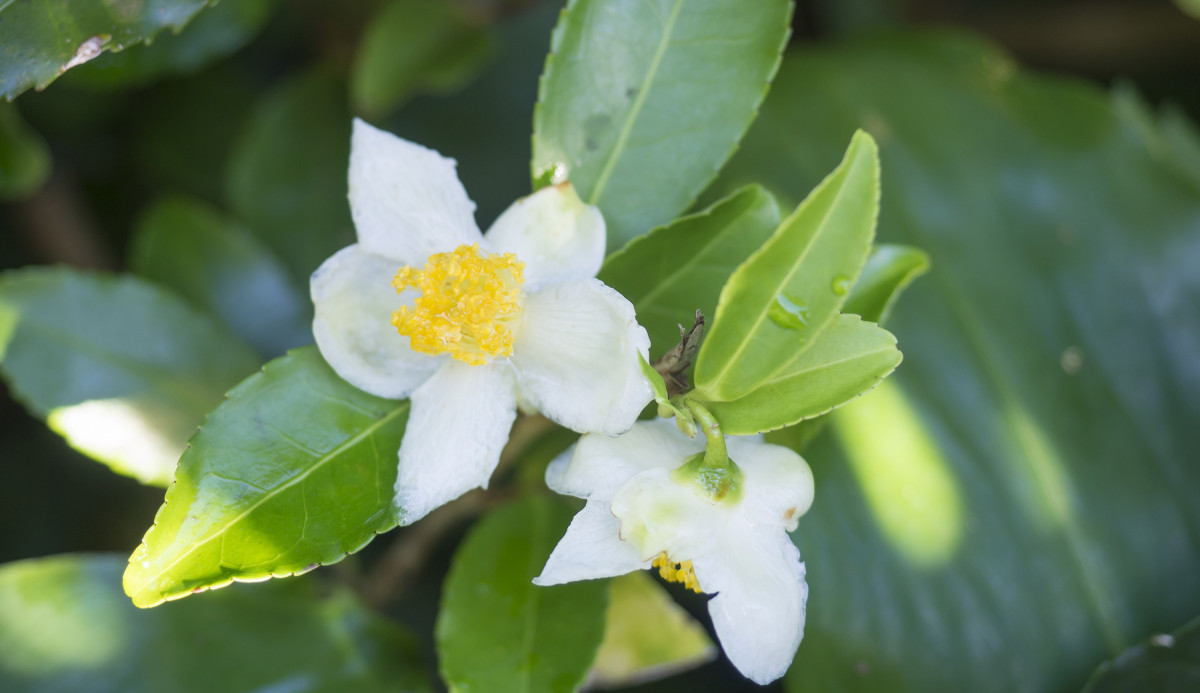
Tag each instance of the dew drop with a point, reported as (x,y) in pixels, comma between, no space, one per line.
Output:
(789,313)
(841,285)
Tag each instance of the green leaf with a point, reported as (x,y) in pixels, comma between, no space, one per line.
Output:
(846,359)
(120,368)
(1192,7)
(65,626)
(296,469)
(41,40)
(222,268)
(24,157)
(777,302)
(214,34)
(648,636)
(1017,502)
(287,176)
(642,129)
(680,268)
(496,630)
(1165,663)
(410,46)
(888,272)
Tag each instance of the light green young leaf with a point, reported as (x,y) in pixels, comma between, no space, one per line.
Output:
(295,470)
(65,626)
(680,268)
(123,370)
(41,40)
(642,129)
(287,176)
(214,34)
(888,272)
(777,302)
(648,636)
(497,631)
(413,45)
(24,156)
(218,265)
(846,359)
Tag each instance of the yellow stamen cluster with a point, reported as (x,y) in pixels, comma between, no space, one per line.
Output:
(469,301)
(677,572)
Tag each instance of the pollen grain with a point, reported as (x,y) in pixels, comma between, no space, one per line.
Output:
(677,572)
(469,305)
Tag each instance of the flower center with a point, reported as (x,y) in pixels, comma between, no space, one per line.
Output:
(677,572)
(469,301)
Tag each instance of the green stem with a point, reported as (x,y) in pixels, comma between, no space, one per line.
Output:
(715,454)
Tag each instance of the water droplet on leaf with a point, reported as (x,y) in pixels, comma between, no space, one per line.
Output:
(788,312)
(841,285)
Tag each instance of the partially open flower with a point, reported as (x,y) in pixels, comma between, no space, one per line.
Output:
(466,324)
(642,513)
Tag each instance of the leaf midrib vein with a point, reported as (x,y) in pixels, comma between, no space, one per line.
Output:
(758,321)
(635,110)
(332,454)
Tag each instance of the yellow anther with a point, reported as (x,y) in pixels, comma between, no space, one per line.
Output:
(677,572)
(468,305)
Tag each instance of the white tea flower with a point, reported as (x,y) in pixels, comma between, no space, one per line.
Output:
(644,511)
(468,324)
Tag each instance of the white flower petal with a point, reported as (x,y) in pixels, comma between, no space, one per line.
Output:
(598,465)
(576,357)
(354,299)
(590,549)
(778,483)
(406,200)
(759,609)
(558,236)
(659,514)
(460,421)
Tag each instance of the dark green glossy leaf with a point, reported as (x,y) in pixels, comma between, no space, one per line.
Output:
(214,34)
(888,272)
(642,129)
(220,267)
(1166,663)
(296,469)
(1015,503)
(65,626)
(499,632)
(24,156)
(776,303)
(846,359)
(287,177)
(410,46)
(120,368)
(40,40)
(680,268)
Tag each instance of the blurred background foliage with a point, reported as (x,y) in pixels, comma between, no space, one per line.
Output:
(1031,506)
